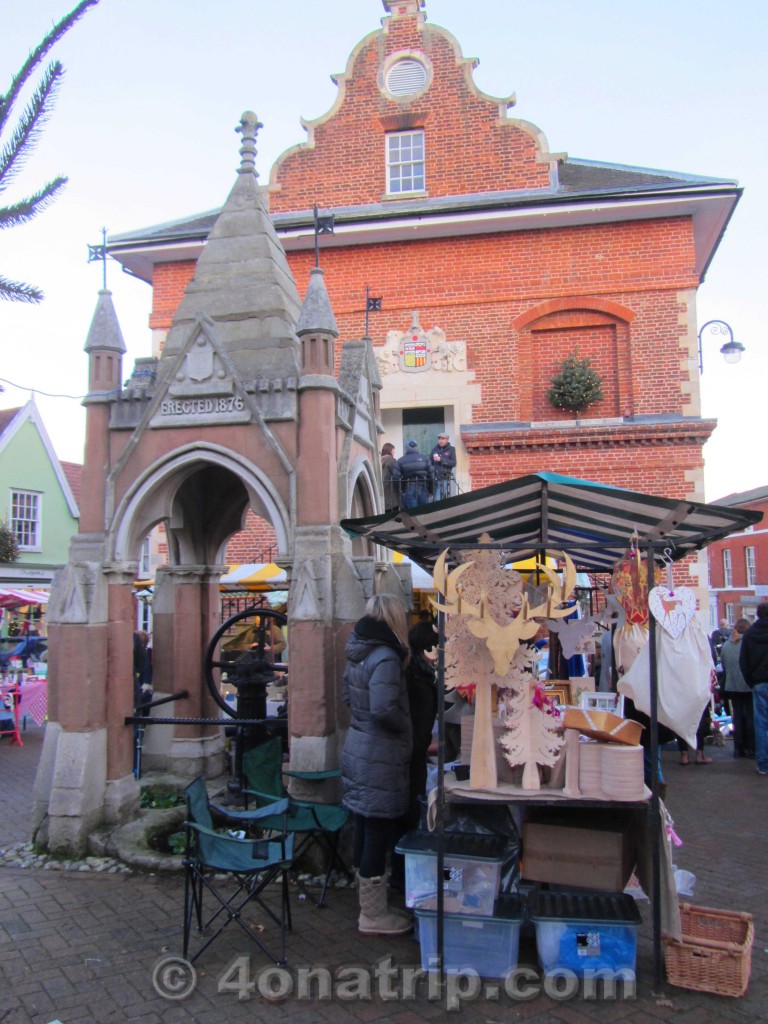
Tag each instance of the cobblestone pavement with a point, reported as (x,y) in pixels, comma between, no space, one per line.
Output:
(79,946)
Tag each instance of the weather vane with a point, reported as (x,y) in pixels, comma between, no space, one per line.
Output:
(99,252)
(372,305)
(323,226)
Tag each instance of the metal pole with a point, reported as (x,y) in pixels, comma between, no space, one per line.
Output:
(440,795)
(657,836)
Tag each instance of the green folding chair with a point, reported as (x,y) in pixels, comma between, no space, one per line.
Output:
(248,864)
(318,824)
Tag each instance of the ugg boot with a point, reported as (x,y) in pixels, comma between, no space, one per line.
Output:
(375,916)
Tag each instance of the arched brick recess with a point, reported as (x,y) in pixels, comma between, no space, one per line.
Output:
(549,333)
(574,302)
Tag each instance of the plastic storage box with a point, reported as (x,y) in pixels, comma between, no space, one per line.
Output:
(471,870)
(585,931)
(482,943)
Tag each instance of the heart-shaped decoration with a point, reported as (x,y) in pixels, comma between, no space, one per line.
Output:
(672,609)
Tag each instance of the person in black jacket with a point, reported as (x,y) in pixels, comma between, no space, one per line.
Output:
(415,476)
(422,700)
(753,662)
(375,763)
(716,640)
(443,459)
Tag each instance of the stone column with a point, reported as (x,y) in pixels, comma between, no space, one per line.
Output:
(122,790)
(186,614)
(72,772)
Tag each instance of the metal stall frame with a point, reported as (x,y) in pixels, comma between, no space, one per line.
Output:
(595,524)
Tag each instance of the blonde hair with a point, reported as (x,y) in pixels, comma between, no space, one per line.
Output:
(391,610)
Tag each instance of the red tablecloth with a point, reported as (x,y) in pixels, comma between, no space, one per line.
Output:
(32,702)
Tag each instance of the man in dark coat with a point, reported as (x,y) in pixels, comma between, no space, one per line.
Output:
(443,459)
(753,662)
(415,475)
(716,640)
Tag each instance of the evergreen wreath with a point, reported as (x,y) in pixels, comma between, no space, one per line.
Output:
(577,385)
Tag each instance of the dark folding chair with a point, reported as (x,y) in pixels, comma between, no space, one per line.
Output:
(251,864)
(319,824)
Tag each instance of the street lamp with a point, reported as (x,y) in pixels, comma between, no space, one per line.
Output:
(731,350)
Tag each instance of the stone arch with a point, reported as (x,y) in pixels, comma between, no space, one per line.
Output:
(363,489)
(362,500)
(159,494)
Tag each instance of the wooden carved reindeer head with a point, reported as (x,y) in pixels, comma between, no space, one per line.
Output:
(502,640)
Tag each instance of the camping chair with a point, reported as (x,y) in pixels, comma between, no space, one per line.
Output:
(252,864)
(319,823)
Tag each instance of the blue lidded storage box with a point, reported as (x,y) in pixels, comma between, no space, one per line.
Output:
(585,931)
(471,871)
(487,944)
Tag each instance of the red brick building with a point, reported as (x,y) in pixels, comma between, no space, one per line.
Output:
(495,259)
(738,565)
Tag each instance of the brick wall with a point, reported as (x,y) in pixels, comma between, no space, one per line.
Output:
(168,283)
(468,147)
(521,300)
(256,542)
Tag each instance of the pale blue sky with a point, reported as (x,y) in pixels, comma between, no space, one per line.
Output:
(144,129)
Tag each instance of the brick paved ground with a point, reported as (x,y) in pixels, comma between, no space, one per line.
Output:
(82,947)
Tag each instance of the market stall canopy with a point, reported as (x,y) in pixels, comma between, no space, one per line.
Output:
(593,522)
(255,576)
(12,598)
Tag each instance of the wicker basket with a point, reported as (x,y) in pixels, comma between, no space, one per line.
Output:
(715,954)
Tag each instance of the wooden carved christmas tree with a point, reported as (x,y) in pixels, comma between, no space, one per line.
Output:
(534,735)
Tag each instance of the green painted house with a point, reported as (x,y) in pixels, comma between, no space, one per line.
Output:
(38,498)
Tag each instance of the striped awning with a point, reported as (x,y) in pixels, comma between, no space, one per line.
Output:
(17,597)
(594,523)
(255,576)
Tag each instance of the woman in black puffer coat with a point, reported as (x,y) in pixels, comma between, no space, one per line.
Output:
(375,764)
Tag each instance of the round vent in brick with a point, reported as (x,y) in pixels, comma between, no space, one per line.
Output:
(576,386)
(406,77)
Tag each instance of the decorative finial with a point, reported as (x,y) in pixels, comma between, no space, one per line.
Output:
(249,129)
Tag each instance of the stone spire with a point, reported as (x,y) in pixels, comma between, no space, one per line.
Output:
(316,312)
(104,333)
(105,347)
(317,330)
(243,283)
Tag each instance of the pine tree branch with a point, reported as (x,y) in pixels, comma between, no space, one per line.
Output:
(17,291)
(36,56)
(25,210)
(27,131)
